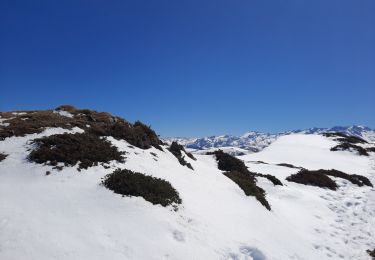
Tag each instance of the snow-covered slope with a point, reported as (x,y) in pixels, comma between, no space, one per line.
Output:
(344,219)
(68,214)
(256,141)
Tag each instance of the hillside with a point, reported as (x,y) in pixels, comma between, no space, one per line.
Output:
(81,184)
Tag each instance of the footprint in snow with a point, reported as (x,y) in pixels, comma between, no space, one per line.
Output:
(254,252)
(178,236)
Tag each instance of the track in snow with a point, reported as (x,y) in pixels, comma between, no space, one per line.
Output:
(354,224)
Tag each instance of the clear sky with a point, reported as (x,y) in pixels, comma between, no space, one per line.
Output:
(194,68)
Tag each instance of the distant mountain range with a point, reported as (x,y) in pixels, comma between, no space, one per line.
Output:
(256,141)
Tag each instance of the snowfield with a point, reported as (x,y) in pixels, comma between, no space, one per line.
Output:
(70,215)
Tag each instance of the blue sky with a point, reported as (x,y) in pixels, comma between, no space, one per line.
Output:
(194,68)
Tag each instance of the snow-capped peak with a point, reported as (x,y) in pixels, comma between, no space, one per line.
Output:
(256,141)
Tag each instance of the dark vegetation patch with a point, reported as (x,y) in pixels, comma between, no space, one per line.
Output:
(60,167)
(236,170)
(258,162)
(3,156)
(353,178)
(98,123)
(177,149)
(370,149)
(31,122)
(313,178)
(341,137)
(154,190)
(247,182)
(371,253)
(227,162)
(350,147)
(320,178)
(271,178)
(288,165)
(349,143)
(363,179)
(86,149)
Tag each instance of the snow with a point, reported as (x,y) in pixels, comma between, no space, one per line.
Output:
(311,152)
(235,151)
(257,141)
(19,113)
(63,113)
(346,216)
(2,123)
(69,215)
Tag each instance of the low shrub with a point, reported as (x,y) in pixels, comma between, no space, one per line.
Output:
(348,143)
(227,162)
(350,147)
(363,179)
(341,137)
(97,123)
(270,177)
(3,156)
(236,170)
(154,190)
(371,253)
(104,124)
(177,149)
(145,136)
(370,149)
(247,183)
(320,178)
(312,178)
(30,122)
(185,163)
(353,178)
(70,149)
(259,162)
(288,165)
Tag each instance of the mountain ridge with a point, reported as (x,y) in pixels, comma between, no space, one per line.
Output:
(255,141)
